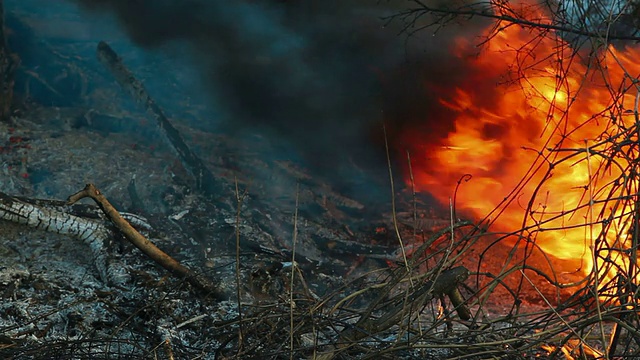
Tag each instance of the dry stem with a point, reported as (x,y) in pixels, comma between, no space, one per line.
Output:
(142,243)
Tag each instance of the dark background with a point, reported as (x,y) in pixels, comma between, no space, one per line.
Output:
(318,79)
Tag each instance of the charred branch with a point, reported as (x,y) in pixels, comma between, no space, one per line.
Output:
(204,179)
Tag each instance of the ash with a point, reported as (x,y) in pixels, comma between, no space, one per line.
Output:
(280,242)
(54,303)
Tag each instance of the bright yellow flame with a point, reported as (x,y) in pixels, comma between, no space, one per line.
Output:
(558,107)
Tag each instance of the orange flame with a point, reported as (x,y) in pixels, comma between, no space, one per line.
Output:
(575,349)
(527,150)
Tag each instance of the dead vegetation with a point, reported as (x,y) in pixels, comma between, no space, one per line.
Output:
(300,275)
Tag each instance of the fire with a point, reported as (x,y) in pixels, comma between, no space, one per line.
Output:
(527,149)
(575,349)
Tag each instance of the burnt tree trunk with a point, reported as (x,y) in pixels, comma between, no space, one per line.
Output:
(8,64)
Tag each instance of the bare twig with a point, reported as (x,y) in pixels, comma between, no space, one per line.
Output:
(142,243)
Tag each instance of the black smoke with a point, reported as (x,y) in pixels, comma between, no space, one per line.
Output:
(320,75)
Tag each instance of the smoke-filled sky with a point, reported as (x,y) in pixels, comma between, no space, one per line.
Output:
(318,77)
(323,74)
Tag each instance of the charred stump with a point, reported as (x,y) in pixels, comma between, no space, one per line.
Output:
(8,64)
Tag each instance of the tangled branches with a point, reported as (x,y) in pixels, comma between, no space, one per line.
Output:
(570,208)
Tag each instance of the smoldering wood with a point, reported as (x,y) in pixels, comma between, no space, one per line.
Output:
(204,179)
(8,64)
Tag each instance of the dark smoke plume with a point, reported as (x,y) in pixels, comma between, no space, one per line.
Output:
(322,75)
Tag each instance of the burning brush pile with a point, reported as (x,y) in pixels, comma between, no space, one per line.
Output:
(544,151)
(534,255)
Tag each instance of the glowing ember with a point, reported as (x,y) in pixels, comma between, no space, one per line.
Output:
(526,149)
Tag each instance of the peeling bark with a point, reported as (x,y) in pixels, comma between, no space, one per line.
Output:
(94,233)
